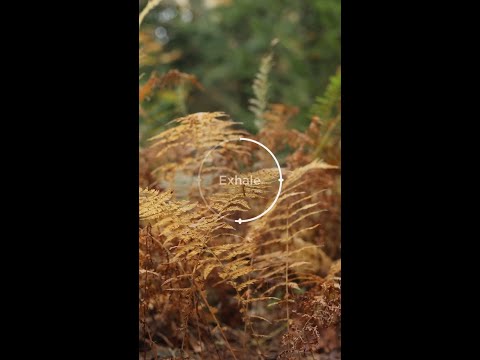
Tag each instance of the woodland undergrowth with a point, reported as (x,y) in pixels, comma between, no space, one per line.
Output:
(211,288)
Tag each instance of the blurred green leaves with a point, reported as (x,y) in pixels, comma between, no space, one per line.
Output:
(223,46)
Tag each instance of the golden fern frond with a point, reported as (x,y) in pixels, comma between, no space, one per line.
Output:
(154,204)
(266,178)
(240,197)
(180,220)
(208,129)
(301,171)
(281,253)
(290,203)
(184,146)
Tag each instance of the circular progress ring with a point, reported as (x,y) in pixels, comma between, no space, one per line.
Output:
(280,180)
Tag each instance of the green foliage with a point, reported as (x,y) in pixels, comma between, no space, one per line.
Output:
(328,105)
(327,109)
(224,45)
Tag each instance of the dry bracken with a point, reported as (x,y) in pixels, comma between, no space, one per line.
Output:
(211,286)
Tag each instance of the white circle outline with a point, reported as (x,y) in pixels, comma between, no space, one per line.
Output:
(280,180)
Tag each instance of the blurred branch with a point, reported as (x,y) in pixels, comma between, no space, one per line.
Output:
(150,5)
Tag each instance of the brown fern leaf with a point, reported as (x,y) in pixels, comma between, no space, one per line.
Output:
(169,79)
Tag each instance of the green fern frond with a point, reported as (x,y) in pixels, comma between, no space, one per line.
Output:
(328,105)
(260,87)
(328,109)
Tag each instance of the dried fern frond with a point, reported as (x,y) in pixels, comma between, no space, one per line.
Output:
(181,244)
(316,317)
(291,202)
(204,129)
(177,220)
(275,132)
(277,135)
(249,198)
(170,78)
(202,277)
(154,205)
(183,147)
